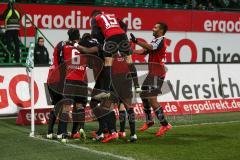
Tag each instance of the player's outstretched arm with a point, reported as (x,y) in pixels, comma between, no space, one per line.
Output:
(142,44)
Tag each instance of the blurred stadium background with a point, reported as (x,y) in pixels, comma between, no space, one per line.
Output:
(202,98)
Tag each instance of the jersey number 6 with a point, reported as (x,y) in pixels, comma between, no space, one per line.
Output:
(75,56)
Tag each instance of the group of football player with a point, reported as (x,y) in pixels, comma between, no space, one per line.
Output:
(108,53)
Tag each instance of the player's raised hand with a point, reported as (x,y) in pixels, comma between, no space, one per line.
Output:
(133,38)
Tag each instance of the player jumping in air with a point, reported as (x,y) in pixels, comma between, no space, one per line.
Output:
(152,84)
(115,40)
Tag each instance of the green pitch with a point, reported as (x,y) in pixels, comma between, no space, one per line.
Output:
(186,141)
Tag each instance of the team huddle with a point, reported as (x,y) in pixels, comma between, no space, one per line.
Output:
(108,53)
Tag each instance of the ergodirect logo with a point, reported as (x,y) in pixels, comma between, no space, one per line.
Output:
(75,19)
(222,26)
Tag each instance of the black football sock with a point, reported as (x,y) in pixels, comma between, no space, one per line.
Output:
(160,115)
(60,123)
(111,122)
(59,127)
(134,75)
(147,110)
(75,123)
(131,119)
(51,122)
(105,124)
(82,117)
(64,117)
(75,127)
(103,116)
(122,120)
(62,128)
(107,78)
(100,126)
(99,115)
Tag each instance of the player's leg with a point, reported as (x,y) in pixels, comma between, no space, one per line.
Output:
(125,92)
(111,116)
(158,109)
(165,126)
(94,104)
(99,113)
(75,122)
(154,103)
(64,117)
(107,72)
(131,119)
(122,120)
(81,111)
(112,46)
(146,89)
(55,98)
(133,71)
(78,120)
(51,122)
(110,119)
(109,49)
(123,89)
(80,92)
(70,92)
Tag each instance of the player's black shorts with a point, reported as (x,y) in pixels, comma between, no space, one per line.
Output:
(122,86)
(77,91)
(151,86)
(116,43)
(54,95)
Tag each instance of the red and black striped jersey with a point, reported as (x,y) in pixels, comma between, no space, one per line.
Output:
(109,25)
(157,56)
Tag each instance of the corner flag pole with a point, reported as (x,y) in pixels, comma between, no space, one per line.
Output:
(32,105)
(30,69)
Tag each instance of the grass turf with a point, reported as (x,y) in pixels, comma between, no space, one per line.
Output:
(196,142)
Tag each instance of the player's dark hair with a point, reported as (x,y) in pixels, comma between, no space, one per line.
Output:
(86,36)
(96,12)
(73,34)
(39,38)
(163,26)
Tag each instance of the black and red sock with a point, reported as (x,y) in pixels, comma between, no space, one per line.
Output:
(147,110)
(160,115)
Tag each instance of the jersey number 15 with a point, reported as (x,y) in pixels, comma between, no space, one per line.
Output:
(109,20)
